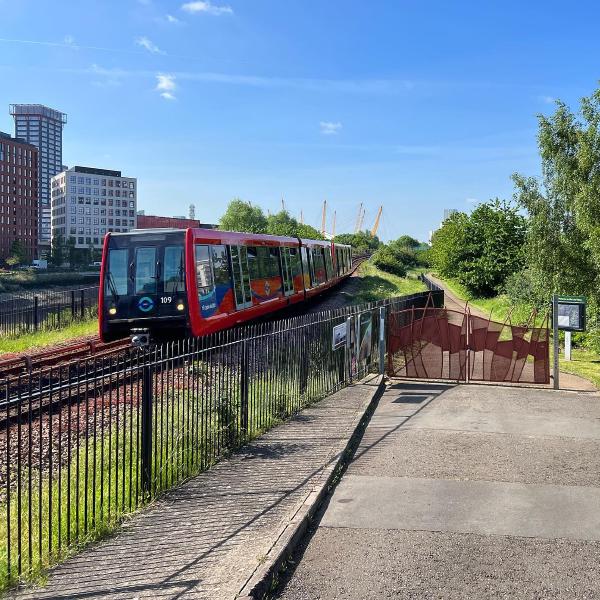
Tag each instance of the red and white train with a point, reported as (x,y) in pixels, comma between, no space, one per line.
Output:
(172,282)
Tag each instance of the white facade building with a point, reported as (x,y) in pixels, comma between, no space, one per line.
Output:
(87,203)
(42,127)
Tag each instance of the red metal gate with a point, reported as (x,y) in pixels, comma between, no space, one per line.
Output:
(437,343)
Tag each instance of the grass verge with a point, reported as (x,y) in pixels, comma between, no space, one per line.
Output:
(584,363)
(42,339)
(374,284)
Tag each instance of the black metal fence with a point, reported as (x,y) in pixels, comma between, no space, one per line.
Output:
(431,285)
(84,443)
(51,309)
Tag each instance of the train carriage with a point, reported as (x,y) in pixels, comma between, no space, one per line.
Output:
(168,283)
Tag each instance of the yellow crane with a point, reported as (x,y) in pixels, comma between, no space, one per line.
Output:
(376,224)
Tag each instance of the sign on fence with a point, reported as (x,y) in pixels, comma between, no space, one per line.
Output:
(340,333)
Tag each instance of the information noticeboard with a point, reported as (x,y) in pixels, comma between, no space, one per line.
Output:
(571,313)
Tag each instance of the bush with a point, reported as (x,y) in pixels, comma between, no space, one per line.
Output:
(387,260)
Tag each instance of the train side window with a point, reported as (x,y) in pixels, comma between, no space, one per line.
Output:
(204,275)
(295,259)
(254,262)
(116,279)
(221,266)
(305,265)
(273,262)
(262,263)
(145,270)
(174,271)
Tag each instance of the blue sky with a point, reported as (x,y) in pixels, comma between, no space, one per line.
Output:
(418,106)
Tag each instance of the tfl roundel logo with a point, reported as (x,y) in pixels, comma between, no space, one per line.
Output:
(145,304)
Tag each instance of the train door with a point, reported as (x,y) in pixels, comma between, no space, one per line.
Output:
(286,271)
(305,267)
(241,276)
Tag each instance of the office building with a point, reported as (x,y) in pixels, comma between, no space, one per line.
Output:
(18,196)
(87,203)
(42,127)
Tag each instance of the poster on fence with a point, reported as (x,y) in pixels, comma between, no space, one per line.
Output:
(340,333)
(364,335)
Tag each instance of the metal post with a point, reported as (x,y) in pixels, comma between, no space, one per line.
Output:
(349,333)
(36,317)
(382,340)
(147,429)
(555,335)
(73,304)
(304,364)
(244,388)
(82,298)
(567,345)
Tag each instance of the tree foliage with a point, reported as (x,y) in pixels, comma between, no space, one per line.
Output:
(563,242)
(362,242)
(243,216)
(482,249)
(17,254)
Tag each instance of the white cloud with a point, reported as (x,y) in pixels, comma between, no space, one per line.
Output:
(205,6)
(172,19)
(329,128)
(548,99)
(69,40)
(144,42)
(472,200)
(165,84)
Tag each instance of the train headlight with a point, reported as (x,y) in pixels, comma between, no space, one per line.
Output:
(180,306)
(112,310)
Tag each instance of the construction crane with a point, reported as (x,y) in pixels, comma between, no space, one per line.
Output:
(376,224)
(282,204)
(323,219)
(358,218)
(301,218)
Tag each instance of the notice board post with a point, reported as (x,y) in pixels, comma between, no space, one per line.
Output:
(568,314)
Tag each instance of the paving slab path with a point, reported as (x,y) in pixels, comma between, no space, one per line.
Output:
(207,538)
(463,491)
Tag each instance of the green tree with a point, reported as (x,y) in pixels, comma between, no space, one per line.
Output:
(243,216)
(563,242)
(482,249)
(362,242)
(406,241)
(57,251)
(386,259)
(17,255)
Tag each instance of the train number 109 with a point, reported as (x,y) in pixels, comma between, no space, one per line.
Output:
(166,299)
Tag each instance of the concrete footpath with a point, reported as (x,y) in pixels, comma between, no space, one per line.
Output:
(217,536)
(470,491)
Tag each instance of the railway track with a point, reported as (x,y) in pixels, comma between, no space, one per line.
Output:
(28,363)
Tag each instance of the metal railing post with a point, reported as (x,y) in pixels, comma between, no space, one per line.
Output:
(147,429)
(304,363)
(82,298)
(244,388)
(35,313)
(73,304)
(382,340)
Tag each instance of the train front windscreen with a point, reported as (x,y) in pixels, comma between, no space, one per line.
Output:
(144,283)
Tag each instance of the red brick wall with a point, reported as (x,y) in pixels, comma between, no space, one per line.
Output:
(18,209)
(152,222)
